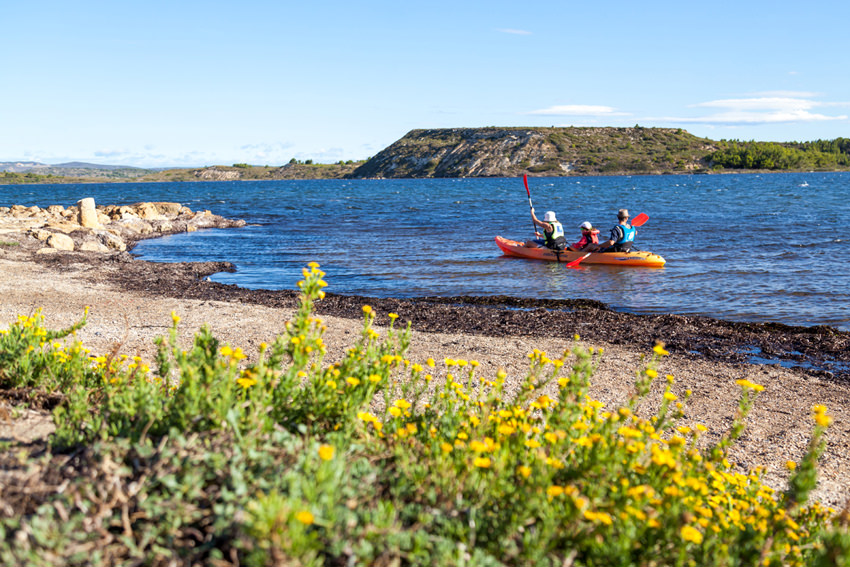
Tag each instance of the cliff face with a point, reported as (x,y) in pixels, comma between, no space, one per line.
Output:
(508,152)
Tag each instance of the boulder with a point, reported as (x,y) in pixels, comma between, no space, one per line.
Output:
(112,241)
(60,241)
(135,224)
(148,211)
(93,246)
(168,209)
(88,213)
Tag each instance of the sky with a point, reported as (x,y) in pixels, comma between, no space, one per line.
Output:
(183,83)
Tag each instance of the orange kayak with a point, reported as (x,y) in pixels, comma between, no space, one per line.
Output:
(643,259)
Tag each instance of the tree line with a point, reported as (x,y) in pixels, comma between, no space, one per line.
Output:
(819,154)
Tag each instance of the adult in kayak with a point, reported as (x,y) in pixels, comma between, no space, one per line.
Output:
(553,232)
(622,235)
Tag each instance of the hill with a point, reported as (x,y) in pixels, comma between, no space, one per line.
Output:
(509,152)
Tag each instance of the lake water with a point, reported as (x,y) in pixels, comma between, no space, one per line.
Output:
(757,248)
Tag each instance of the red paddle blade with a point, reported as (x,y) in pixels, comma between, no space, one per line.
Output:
(576,262)
(640,219)
(525,180)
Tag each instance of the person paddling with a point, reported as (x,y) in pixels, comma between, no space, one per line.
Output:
(622,235)
(589,238)
(553,231)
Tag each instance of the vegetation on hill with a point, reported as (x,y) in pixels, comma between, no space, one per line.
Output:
(819,155)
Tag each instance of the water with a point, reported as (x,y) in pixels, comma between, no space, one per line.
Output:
(754,248)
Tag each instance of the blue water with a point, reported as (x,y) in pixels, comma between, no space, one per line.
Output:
(757,248)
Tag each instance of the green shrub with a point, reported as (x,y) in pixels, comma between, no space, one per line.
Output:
(287,460)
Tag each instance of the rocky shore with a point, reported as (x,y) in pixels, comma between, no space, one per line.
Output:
(131,302)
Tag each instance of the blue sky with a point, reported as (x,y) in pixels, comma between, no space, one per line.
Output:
(187,83)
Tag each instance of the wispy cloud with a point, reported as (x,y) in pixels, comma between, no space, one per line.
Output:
(773,107)
(579,110)
(513,31)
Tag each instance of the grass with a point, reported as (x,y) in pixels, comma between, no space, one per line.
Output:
(217,457)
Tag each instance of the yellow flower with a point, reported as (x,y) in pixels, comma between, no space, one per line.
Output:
(246,382)
(822,419)
(749,385)
(652,373)
(599,517)
(659,349)
(374,378)
(402,404)
(446,447)
(482,462)
(525,471)
(367,309)
(395,412)
(353,381)
(790,465)
(326,452)
(226,350)
(305,517)
(691,534)
(393,316)
(670,396)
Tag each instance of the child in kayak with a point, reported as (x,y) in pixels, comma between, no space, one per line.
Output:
(589,238)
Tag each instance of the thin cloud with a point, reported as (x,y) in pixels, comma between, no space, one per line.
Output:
(513,31)
(579,110)
(781,107)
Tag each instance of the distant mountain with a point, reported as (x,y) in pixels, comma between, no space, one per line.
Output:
(74,169)
(84,165)
(19,166)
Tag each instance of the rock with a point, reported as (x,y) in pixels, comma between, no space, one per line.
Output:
(135,224)
(168,209)
(148,211)
(40,234)
(113,241)
(60,241)
(88,213)
(93,246)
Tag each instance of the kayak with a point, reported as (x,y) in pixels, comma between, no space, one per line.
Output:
(634,258)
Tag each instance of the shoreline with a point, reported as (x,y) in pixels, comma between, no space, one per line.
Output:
(131,301)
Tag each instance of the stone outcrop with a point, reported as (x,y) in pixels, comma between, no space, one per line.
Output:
(87,227)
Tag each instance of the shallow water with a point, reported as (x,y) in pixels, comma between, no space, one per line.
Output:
(739,247)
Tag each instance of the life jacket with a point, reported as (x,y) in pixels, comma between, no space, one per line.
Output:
(624,244)
(629,233)
(555,239)
(594,238)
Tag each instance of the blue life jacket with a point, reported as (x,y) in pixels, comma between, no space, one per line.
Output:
(629,233)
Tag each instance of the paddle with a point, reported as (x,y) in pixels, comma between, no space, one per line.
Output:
(530,206)
(639,220)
